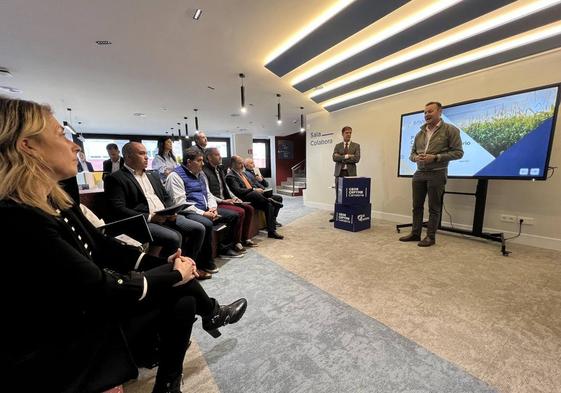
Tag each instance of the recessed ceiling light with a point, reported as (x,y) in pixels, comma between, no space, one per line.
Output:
(103,42)
(210,87)
(164,109)
(10,89)
(139,114)
(197,14)
(5,72)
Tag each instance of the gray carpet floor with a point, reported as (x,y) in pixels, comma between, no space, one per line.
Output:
(298,338)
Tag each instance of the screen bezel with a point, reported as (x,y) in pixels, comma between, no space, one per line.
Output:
(549,148)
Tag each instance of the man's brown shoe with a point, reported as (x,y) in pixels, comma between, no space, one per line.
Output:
(410,238)
(426,242)
(203,275)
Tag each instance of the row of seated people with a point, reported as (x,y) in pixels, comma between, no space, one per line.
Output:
(214,198)
(77,304)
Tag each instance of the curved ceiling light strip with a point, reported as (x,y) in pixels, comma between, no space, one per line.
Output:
(434,45)
(533,36)
(344,19)
(426,12)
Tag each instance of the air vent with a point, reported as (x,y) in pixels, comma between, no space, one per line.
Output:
(103,42)
(234,115)
(139,114)
(210,87)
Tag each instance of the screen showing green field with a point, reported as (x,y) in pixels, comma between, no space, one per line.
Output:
(502,137)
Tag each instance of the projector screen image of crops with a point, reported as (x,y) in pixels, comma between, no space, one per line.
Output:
(506,137)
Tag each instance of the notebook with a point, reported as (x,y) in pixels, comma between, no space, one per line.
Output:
(135,227)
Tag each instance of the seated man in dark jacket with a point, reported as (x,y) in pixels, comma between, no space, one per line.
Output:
(131,191)
(115,161)
(226,199)
(243,189)
(258,181)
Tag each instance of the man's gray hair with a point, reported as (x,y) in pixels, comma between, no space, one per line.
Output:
(210,150)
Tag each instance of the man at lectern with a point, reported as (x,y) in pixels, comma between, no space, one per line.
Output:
(434,146)
(345,155)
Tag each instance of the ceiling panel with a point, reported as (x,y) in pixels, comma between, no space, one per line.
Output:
(353,18)
(514,54)
(440,22)
(531,22)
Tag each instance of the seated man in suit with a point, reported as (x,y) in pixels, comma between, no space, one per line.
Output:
(243,189)
(115,161)
(83,165)
(187,183)
(131,191)
(254,176)
(226,199)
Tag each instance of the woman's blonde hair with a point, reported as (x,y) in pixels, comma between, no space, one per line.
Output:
(21,174)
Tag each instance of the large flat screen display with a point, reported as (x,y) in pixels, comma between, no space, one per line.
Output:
(505,137)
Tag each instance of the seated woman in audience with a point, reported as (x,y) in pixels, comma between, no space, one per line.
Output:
(72,297)
(165,161)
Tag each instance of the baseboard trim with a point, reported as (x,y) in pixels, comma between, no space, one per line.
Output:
(525,239)
(549,243)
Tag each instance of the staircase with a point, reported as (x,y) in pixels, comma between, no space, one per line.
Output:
(299,184)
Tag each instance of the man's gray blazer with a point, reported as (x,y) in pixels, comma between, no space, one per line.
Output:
(339,157)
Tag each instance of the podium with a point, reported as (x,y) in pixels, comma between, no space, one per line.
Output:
(352,204)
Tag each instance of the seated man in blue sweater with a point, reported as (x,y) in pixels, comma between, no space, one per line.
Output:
(188,183)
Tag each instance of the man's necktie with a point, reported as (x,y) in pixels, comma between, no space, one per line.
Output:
(245,181)
(346,151)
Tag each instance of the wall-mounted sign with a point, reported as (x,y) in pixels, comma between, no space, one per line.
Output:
(321,138)
(285,149)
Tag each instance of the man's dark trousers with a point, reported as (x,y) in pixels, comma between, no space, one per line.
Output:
(429,183)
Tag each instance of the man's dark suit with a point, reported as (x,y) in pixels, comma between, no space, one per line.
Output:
(257,199)
(65,327)
(263,184)
(88,164)
(108,166)
(125,198)
(341,161)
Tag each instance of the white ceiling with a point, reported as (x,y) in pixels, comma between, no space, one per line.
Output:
(160,58)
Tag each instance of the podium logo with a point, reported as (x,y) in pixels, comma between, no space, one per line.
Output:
(343,217)
(362,217)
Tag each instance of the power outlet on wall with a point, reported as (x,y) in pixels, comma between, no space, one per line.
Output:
(508,218)
(526,220)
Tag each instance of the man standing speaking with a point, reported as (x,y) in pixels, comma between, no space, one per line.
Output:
(346,155)
(435,145)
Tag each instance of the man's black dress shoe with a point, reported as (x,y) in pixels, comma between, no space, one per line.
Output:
(426,242)
(410,238)
(275,235)
(278,224)
(275,203)
(224,315)
(331,219)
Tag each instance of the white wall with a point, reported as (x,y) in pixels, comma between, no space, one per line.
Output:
(243,145)
(376,127)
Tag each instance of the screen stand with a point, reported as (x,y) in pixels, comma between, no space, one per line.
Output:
(478,217)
